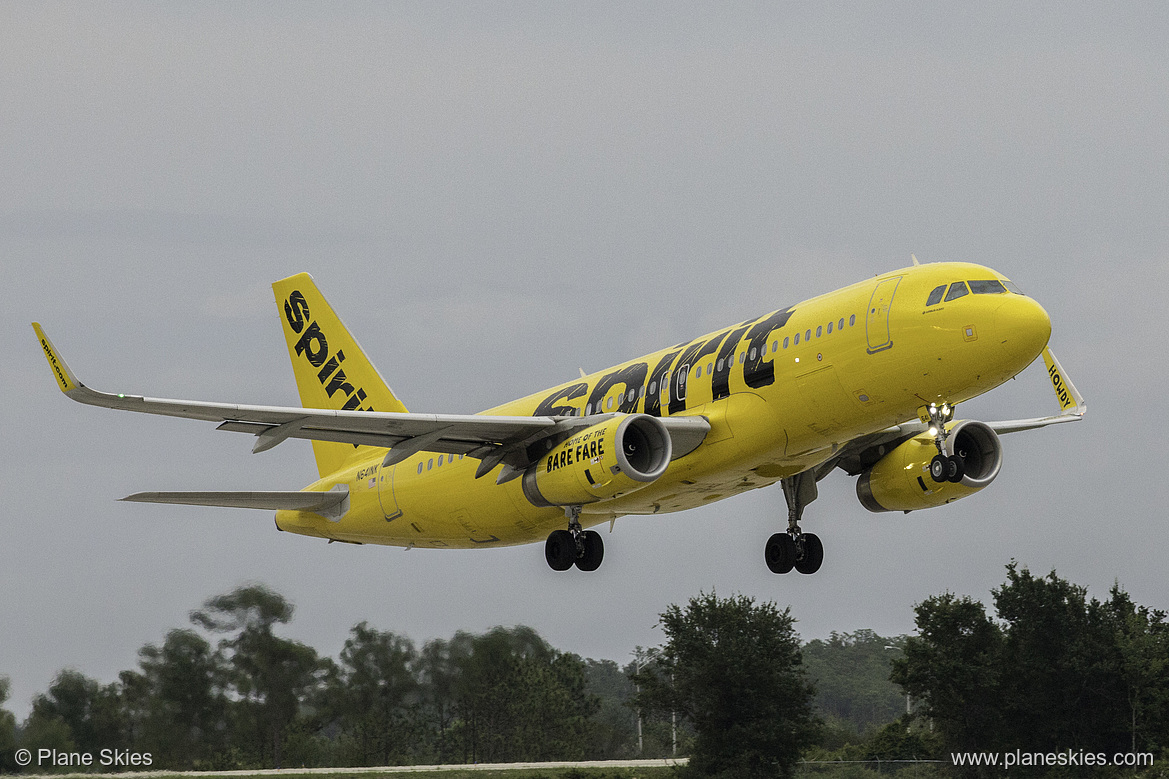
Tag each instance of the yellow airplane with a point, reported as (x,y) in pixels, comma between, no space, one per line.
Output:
(864,379)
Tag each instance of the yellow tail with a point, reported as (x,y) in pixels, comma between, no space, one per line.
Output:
(332,372)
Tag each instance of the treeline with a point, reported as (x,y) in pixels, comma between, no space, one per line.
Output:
(1049,670)
(255,699)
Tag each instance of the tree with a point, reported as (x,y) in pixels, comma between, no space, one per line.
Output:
(177,701)
(733,670)
(87,714)
(1056,669)
(270,675)
(375,695)
(7,730)
(953,667)
(851,674)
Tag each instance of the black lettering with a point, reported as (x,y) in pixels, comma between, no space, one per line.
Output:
(331,366)
(339,383)
(631,377)
(759,371)
(721,383)
(296,311)
(355,401)
(695,351)
(592,448)
(653,396)
(315,356)
(548,407)
(600,448)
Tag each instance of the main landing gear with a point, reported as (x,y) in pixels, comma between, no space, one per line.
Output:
(795,548)
(575,546)
(943,467)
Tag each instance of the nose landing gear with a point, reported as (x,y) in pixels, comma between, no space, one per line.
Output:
(795,548)
(574,546)
(943,467)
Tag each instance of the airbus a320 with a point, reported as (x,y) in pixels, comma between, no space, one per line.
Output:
(864,379)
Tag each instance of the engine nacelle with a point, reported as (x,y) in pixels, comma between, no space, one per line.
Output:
(900,481)
(614,457)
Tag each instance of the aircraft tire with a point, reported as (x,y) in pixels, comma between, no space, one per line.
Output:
(594,551)
(955,469)
(813,554)
(780,553)
(560,550)
(939,468)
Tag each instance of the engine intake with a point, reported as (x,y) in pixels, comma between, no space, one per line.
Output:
(900,481)
(612,458)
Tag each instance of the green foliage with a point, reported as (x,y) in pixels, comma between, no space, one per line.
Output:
(732,669)
(7,731)
(1056,671)
(270,676)
(851,675)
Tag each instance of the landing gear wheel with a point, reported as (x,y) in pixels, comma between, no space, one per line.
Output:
(939,468)
(560,550)
(813,554)
(780,553)
(594,551)
(955,470)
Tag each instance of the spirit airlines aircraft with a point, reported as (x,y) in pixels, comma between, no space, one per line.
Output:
(864,379)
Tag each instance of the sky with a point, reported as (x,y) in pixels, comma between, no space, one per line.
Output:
(494,195)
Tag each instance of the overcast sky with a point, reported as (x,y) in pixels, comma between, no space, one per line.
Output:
(495,195)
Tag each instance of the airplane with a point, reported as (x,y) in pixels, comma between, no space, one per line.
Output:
(864,379)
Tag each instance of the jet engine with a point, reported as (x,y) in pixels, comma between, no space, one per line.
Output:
(614,457)
(900,481)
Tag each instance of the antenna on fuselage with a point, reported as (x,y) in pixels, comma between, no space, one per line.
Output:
(914,258)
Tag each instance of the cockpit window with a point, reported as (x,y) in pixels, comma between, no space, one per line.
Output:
(1012,287)
(991,287)
(936,296)
(957,290)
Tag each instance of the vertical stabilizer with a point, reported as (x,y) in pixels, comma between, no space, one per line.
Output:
(332,371)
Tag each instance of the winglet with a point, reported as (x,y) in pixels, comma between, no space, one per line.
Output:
(65,378)
(1071,403)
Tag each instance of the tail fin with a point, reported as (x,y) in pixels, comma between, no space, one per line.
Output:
(332,372)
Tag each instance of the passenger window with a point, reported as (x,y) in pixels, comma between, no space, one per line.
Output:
(708,368)
(609,403)
(808,335)
(450,458)
(439,462)
(742,357)
(819,330)
(990,287)
(775,345)
(589,409)
(753,353)
(785,341)
(698,372)
(936,296)
(829,328)
(840,326)
(430,463)
(957,290)
(852,320)
(797,341)
(420,466)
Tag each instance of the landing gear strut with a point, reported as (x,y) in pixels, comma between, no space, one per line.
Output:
(943,467)
(575,546)
(795,548)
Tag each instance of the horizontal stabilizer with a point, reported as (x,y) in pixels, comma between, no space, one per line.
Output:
(327,504)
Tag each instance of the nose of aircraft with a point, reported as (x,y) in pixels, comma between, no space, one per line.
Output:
(1022,326)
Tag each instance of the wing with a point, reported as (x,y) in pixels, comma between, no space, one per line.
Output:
(862,452)
(332,504)
(494,440)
